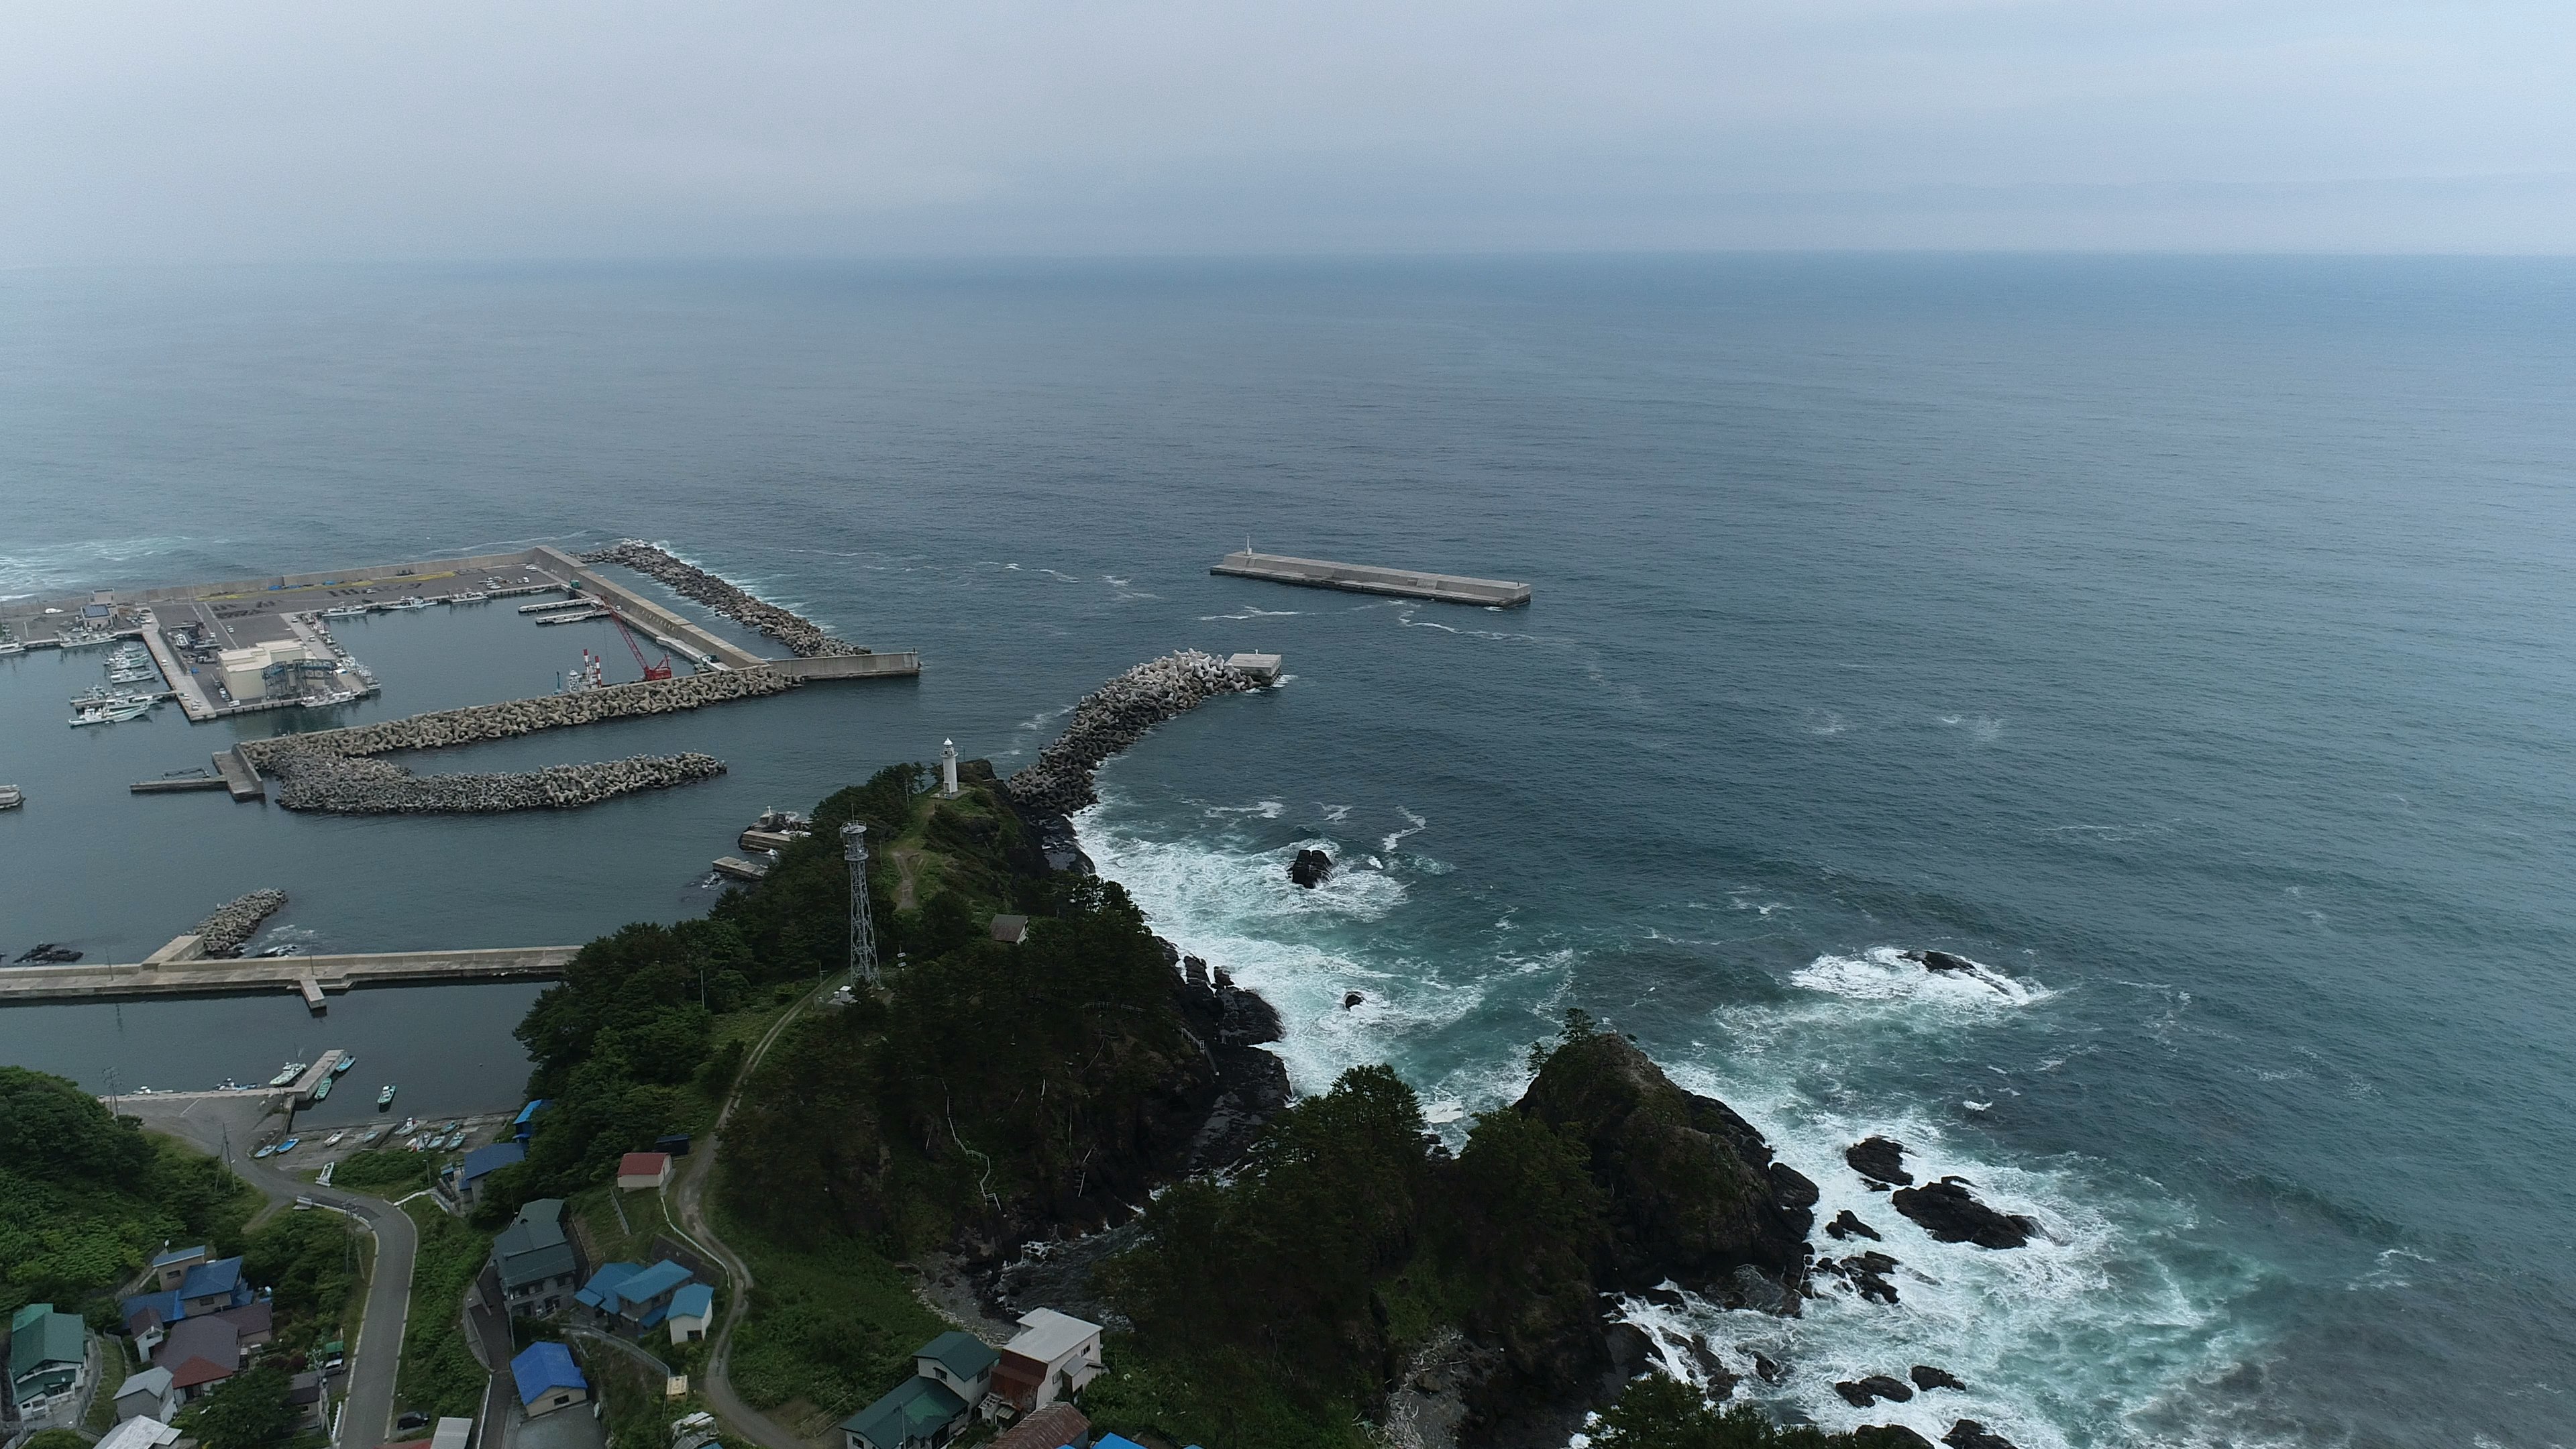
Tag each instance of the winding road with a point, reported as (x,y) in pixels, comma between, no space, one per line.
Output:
(225,1129)
(689,1191)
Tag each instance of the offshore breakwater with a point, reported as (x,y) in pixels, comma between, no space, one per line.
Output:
(1117,715)
(333,770)
(233,923)
(800,634)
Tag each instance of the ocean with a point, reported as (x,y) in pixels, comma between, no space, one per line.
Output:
(2183,641)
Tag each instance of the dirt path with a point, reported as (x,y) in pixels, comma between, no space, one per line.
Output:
(690,1194)
(907,863)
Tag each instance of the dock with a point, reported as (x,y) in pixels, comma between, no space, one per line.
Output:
(1315,573)
(239,775)
(739,868)
(178,973)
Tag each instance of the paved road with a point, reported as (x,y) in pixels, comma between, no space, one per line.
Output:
(214,1124)
(689,1191)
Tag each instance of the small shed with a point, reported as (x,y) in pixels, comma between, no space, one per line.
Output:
(690,1309)
(638,1170)
(147,1395)
(1010,930)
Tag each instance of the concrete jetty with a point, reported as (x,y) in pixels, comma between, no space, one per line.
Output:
(175,972)
(1315,573)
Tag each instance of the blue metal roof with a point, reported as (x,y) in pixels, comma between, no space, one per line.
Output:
(543,1367)
(528,1113)
(224,1275)
(653,1282)
(483,1159)
(601,1291)
(1116,1441)
(695,1301)
(175,1254)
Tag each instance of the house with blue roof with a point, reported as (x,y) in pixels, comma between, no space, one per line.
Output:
(631,1299)
(481,1163)
(547,1379)
(691,1307)
(189,1286)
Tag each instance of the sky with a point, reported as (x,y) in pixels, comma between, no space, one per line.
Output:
(263,131)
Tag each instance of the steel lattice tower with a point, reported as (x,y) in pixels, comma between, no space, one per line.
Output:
(863,929)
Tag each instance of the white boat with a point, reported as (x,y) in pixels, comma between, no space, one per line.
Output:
(12,646)
(470,596)
(11,797)
(288,1073)
(146,675)
(414,602)
(346,611)
(112,713)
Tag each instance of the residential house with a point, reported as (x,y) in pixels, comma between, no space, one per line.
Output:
(958,1362)
(539,1265)
(548,1379)
(1051,1358)
(200,1353)
(1057,1426)
(481,1163)
(48,1357)
(920,1414)
(139,1433)
(690,1309)
(306,1393)
(629,1299)
(147,1395)
(188,1284)
(638,1170)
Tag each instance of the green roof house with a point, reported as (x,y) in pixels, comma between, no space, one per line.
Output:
(958,1362)
(47,1353)
(920,1414)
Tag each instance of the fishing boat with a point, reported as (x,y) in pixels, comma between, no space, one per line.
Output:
(470,596)
(370,1139)
(288,1073)
(287,1146)
(341,1067)
(409,1126)
(415,601)
(385,1098)
(322,1088)
(112,713)
(263,1152)
(334,1139)
(11,797)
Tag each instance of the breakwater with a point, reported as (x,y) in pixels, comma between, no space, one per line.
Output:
(360,785)
(800,634)
(518,716)
(234,922)
(1116,715)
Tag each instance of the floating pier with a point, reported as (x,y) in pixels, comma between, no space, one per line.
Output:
(1315,573)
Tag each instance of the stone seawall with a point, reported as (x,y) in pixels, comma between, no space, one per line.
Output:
(358,785)
(519,716)
(236,921)
(332,770)
(1115,716)
(801,635)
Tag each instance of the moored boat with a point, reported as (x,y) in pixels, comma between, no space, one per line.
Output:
(288,1073)
(341,1067)
(11,797)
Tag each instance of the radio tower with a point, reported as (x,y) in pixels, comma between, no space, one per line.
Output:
(863,931)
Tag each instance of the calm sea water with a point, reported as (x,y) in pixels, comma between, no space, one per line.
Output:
(2185,641)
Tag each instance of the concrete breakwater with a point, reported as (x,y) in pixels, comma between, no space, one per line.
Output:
(801,635)
(358,785)
(1115,716)
(519,716)
(235,921)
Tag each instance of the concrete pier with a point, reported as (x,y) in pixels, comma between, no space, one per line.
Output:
(178,785)
(1315,573)
(308,976)
(849,666)
(240,775)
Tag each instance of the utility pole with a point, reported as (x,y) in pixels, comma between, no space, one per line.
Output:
(863,931)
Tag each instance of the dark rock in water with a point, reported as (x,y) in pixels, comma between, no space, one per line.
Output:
(1310,868)
(1630,1348)
(1880,1159)
(1950,1213)
(1941,961)
(1769,1372)
(1721,1382)
(1865,1392)
(1351,999)
(50,953)
(1194,971)
(1846,1225)
(1928,1378)
(1791,1189)
(1866,1272)
(1665,1298)
(1888,1436)
(1969,1434)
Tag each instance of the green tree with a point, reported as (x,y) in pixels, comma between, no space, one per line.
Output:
(247,1411)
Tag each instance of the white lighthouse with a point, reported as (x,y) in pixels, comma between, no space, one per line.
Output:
(947,769)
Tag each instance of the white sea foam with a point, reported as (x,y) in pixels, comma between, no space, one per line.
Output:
(1883,974)
(1416,828)
(62,568)
(1249,612)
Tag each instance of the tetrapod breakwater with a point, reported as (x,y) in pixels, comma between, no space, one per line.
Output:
(1116,715)
(800,634)
(233,923)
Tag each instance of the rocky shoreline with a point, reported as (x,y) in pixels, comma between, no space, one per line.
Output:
(801,635)
(1117,715)
(223,934)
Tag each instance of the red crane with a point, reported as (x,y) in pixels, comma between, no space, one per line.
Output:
(651,671)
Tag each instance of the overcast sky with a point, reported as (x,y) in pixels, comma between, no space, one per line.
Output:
(386,129)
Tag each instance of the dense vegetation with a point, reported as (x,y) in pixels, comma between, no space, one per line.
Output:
(87,1199)
(439,1374)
